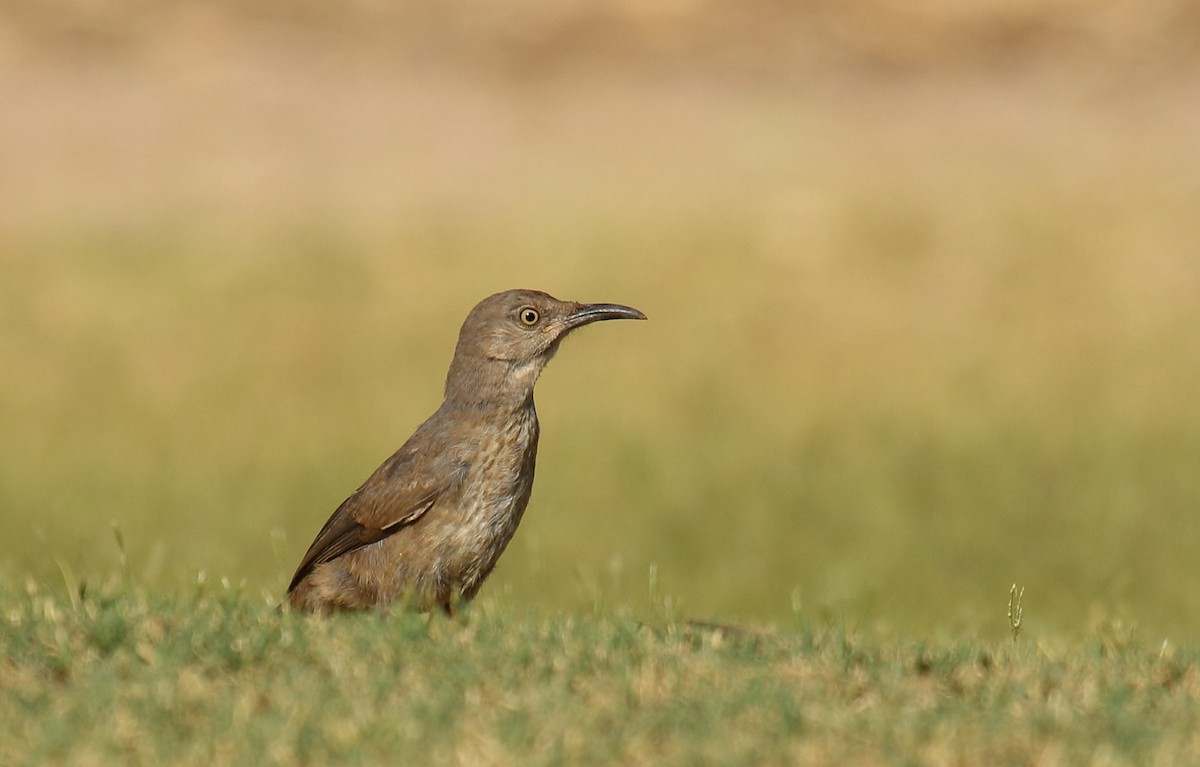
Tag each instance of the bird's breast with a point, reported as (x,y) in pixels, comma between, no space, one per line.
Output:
(495,491)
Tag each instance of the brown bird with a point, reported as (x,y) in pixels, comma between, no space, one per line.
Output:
(427,527)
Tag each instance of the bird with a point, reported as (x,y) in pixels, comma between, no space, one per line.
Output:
(426,528)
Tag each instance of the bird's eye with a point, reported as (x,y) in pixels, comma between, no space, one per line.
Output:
(529,316)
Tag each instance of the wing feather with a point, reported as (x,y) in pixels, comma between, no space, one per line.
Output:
(396,495)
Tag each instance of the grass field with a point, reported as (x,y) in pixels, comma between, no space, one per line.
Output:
(214,678)
(923,324)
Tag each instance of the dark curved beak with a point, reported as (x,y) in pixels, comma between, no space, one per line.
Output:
(587,313)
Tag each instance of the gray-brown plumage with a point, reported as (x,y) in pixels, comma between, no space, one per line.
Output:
(427,527)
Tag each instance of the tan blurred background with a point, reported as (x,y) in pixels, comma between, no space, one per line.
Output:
(922,280)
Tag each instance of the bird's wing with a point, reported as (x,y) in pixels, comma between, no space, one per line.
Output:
(396,495)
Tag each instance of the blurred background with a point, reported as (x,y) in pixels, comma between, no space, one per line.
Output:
(922,277)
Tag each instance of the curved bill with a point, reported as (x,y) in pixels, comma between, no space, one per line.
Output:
(588,313)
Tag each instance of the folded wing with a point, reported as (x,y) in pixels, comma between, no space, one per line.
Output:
(396,495)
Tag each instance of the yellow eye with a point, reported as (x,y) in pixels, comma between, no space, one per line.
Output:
(529,316)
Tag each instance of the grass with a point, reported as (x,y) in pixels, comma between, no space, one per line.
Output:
(213,677)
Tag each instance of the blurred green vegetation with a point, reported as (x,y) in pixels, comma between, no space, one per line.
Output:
(917,331)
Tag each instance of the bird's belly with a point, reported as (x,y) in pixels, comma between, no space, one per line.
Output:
(485,522)
(467,537)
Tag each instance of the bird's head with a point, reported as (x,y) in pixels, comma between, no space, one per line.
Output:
(508,338)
